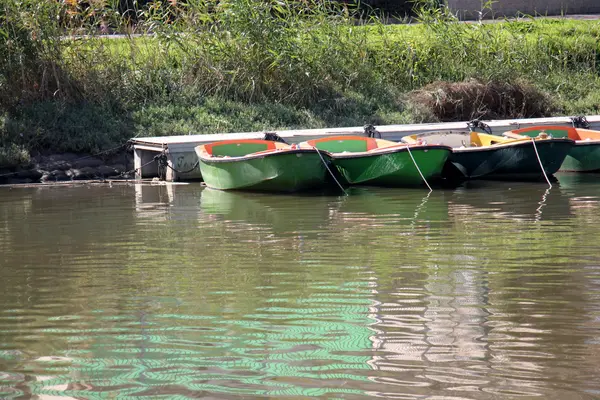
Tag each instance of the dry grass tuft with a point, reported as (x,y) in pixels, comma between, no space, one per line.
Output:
(471,99)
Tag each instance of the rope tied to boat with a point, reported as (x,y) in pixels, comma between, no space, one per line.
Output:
(372,132)
(540,161)
(163,163)
(125,174)
(187,171)
(274,137)
(580,122)
(418,169)
(478,124)
(330,172)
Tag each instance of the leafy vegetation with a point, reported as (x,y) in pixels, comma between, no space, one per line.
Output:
(236,65)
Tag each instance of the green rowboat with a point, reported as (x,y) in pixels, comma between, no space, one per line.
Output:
(262,165)
(479,155)
(376,162)
(584,156)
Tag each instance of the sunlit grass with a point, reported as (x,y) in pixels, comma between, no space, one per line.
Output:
(268,65)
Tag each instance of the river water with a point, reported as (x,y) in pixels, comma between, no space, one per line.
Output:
(485,291)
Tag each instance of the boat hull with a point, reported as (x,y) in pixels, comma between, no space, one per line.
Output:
(583,157)
(392,167)
(511,161)
(285,171)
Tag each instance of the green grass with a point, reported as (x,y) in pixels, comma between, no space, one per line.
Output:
(252,65)
(14,156)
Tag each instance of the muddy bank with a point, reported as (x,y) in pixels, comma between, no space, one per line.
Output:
(69,167)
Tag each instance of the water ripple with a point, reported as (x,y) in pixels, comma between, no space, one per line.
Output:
(485,290)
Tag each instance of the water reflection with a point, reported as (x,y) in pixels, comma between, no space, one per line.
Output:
(283,215)
(377,206)
(583,193)
(177,291)
(167,200)
(518,201)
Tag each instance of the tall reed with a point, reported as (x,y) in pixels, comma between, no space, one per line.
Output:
(63,80)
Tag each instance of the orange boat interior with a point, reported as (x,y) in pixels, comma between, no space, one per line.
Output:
(558,132)
(350,144)
(240,148)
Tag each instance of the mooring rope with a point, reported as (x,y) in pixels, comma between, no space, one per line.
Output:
(274,137)
(127,173)
(163,161)
(331,173)
(540,161)
(580,122)
(478,124)
(187,171)
(371,131)
(418,169)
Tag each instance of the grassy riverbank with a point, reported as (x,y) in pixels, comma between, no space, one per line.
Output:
(249,65)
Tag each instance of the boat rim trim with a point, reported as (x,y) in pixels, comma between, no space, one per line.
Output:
(258,155)
(517,143)
(390,150)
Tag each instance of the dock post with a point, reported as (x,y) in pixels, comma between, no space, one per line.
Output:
(137,163)
(171,175)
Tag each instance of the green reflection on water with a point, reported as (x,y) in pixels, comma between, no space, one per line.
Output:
(179,291)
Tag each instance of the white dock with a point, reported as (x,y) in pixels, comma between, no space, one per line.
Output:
(180,154)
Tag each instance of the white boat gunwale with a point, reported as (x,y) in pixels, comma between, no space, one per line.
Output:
(585,142)
(517,143)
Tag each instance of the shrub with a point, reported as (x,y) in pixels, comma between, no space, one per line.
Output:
(473,99)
